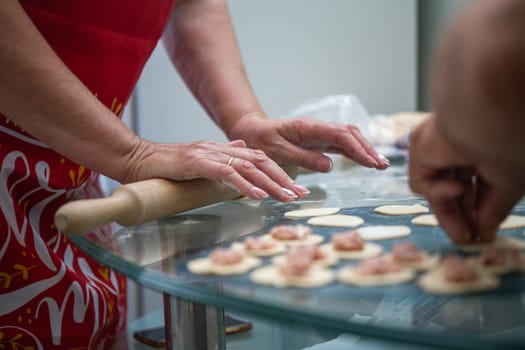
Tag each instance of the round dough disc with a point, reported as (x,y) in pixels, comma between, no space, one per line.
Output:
(401,209)
(428,261)
(513,221)
(379,232)
(204,266)
(306,213)
(425,220)
(500,242)
(349,275)
(370,250)
(310,239)
(435,283)
(336,221)
(330,259)
(276,249)
(269,275)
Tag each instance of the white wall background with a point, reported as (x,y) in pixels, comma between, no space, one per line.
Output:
(296,50)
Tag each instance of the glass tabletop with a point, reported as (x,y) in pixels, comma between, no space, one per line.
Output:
(155,254)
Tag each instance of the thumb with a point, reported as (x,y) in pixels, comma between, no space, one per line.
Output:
(493,209)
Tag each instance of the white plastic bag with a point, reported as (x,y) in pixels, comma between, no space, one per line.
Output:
(345,109)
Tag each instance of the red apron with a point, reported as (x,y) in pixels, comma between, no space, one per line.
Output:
(52,295)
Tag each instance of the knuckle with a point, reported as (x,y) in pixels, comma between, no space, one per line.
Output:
(247,165)
(259,156)
(226,171)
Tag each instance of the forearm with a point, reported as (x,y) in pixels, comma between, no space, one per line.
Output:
(201,43)
(41,95)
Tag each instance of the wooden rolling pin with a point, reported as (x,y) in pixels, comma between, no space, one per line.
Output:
(142,201)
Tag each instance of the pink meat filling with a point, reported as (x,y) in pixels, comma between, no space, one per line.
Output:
(456,269)
(406,252)
(222,256)
(252,243)
(347,241)
(377,266)
(288,232)
(299,259)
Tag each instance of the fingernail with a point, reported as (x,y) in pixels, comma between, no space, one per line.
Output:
(301,189)
(261,194)
(384,159)
(289,193)
(374,162)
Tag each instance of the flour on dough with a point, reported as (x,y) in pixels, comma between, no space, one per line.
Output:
(434,282)
(204,266)
(270,275)
(398,209)
(425,220)
(309,212)
(339,220)
(379,232)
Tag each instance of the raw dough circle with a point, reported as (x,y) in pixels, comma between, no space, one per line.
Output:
(349,275)
(500,241)
(434,282)
(379,232)
(276,249)
(269,275)
(370,250)
(339,220)
(310,239)
(428,261)
(512,221)
(398,209)
(494,269)
(306,213)
(204,266)
(425,220)
(330,259)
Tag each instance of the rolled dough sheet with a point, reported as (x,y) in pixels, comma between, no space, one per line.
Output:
(398,209)
(338,220)
(370,250)
(425,220)
(204,266)
(269,275)
(434,282)
(306,213)
(349,275)
(380,232)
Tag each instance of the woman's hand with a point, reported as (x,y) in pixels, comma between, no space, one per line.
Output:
(303,141)
(251,172)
